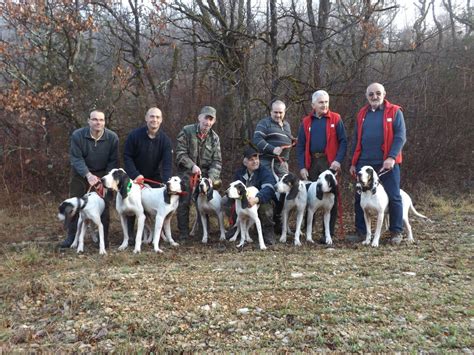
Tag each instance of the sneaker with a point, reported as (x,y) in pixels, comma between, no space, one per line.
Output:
(230,233)
(357,237)
(269,240)
(396,238)
(67,242)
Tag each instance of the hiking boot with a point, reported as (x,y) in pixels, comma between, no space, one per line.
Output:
(268,235)
(183,236)
(396,238)
(357,237)
(66,243)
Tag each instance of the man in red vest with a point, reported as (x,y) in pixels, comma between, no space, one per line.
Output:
(379,137)
(322,144)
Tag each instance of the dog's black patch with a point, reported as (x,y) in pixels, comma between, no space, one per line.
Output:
(197,191)
(319,191)
(371,183)
(210,191)
(166,194)
(294,183)
(332,183)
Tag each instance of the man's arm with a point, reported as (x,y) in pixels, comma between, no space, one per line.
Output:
(182,153)
(342,139)
(76,157)
(113,161)
(259,138)
(130,151)
(216,165)
(267,190)
(166,167)
(399,135)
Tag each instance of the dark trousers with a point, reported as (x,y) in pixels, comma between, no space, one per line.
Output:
(183,207)
(78,187)
(391,183)
(318,165)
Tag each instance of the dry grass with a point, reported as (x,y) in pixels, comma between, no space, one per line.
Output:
(217,298)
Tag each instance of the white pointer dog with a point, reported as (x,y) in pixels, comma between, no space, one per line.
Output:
(374,199)
(321,194)
(162,203)
(246,216)
(127,203)
(296,197)
(90,208)
(208,201)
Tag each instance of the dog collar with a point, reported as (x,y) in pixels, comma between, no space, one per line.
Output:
(129,186)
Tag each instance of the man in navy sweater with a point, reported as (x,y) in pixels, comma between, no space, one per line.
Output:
(322,144)
(379,137)
(148,154)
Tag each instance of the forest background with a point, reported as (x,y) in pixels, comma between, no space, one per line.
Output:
(60,59)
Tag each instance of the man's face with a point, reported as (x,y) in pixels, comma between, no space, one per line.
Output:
(321,105)
(278,112)
(153,119)
(375,95)
(206,123)
(97,121)
(252,163)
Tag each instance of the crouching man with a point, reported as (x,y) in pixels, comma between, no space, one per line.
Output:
(252,174)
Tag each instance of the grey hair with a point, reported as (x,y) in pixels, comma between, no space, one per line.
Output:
(375,83)
(317,94)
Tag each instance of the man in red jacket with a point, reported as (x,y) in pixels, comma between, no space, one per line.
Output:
(322,144)
(379,137)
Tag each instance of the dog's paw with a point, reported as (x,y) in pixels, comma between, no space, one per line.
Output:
(297,243)
(204,241)
(158,250)
(240,245)
(263,247)
(102,252)
(283,239)
(328,241)
(366,242)
(375,244)
(233,239)
(310,240)
(123,247)
(222,238)
(136,251)
(174,244)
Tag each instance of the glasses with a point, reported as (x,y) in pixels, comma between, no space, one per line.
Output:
(378,93)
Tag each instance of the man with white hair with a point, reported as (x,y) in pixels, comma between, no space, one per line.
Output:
(379,137)
(322,144)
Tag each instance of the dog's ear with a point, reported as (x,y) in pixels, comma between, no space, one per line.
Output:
(332,183)
(319,191)
(166,195)
(295,186)
(210,191)
(243,194)
(333,171)
(358,188)
(123,183)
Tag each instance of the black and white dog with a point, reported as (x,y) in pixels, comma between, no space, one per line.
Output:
(321,194)
(246,216)
(127,203)
(91,209)
(162,203)
(208,201)
(296,198)
(374,199)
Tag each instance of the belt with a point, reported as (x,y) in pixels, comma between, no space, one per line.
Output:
(318,155)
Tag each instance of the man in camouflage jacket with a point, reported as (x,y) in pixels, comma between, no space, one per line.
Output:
(198,152)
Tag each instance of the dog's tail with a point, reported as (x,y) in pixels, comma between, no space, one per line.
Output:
(412,208)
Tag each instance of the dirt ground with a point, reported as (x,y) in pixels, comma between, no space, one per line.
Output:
(217,298)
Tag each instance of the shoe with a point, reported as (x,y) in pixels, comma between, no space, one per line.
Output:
(131,242)
(230,233)
(183,236)
(357,237)
(322,240)
(66,243)
(269,239)
(396,238)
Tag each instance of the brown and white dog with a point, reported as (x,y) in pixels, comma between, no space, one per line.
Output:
(374,200)
(246,215)
(208,201)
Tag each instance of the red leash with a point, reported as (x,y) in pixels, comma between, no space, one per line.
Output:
(340,210)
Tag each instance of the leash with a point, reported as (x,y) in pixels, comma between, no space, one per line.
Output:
(99,189)
(385,171)
(193,181)
(143,180)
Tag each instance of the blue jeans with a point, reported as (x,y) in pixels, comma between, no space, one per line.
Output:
(391,183)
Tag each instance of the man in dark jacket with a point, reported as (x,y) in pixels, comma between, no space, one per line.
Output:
(93,153)
(148,154)
(253,174)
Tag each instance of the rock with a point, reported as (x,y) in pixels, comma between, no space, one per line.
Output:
(243,310)
(296,275)
(409,273)
(206,308)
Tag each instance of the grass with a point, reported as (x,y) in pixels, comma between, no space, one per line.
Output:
(347,299)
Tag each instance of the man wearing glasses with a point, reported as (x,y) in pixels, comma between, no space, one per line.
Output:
(379,137)
(93,153)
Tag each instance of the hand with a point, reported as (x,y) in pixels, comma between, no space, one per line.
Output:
(92,179)
(304,174)
(277,150)
(388,164)
(253,201)
(353,172)
(335,165)
(196,170)
(139,179)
